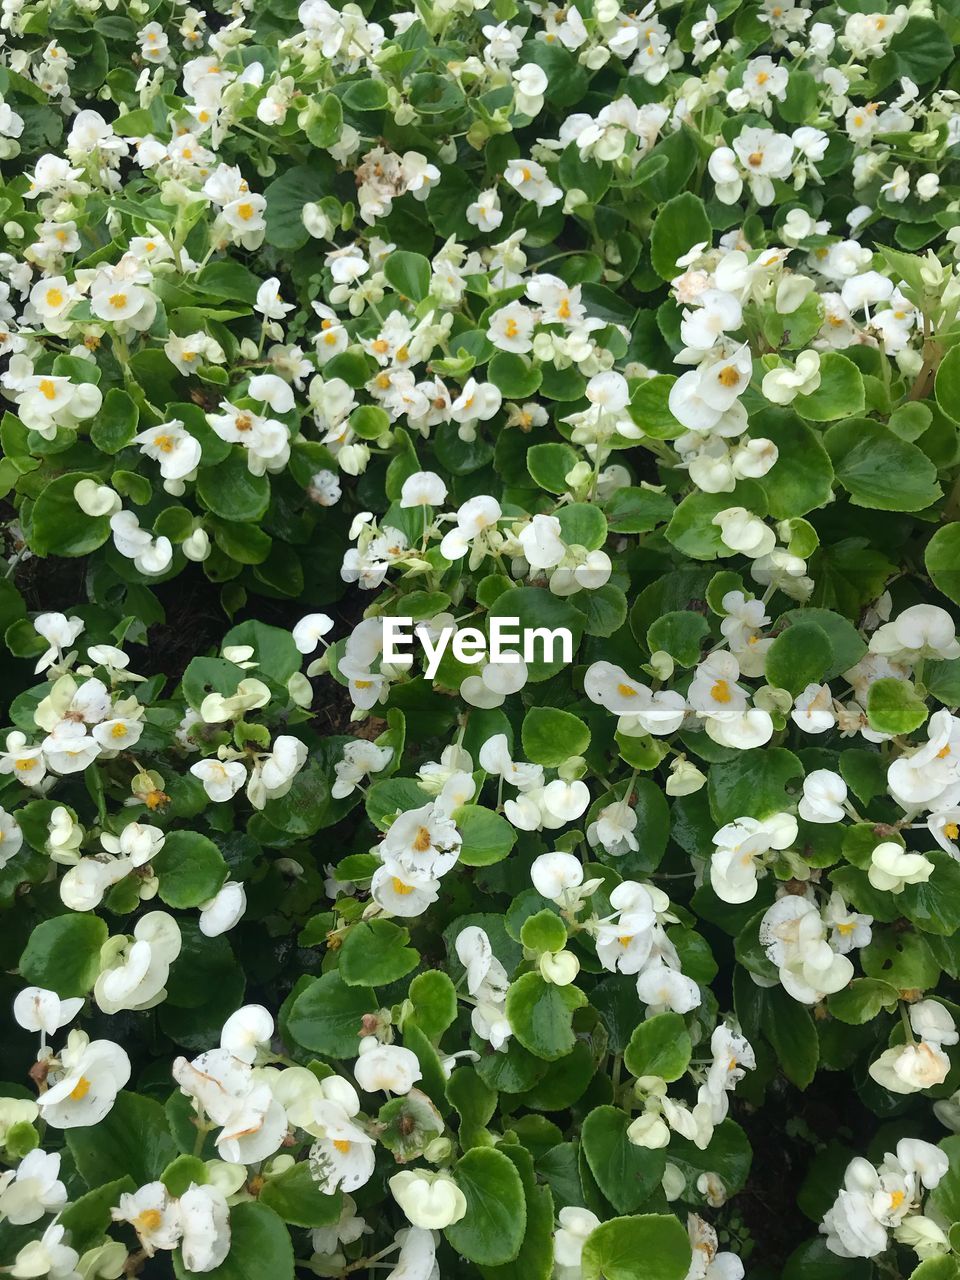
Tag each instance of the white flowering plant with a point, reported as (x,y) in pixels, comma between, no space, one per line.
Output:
(480,786)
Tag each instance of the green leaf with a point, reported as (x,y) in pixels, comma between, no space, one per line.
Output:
(260,1246)
(535,1259)
(893,706)
(582,525)
(802,477)
(878,469)
(814,1261)
(286,196)
(679,633)
(487,836)
(934,906)
(626,1174)
(550,464)
(88,1217)
(691,529)
(534,609)
(862,1000)
(905,960)
(790,1028)
(492,1230)
(728,1155)
(408,273)
(942,556)
(799,656)
(326,1017)
(652,1246)
(133,1138)
(846,643)
(516,376)
(434,1000)
(231,492)
(550,736)
(116,423)
(541,1015)
(59,527)
(296,1198)
(660,1046)
(375,952)
(839,395)
(63,954)
(753,784)
(544,931)
(634,510)
(681,223)
(191,869)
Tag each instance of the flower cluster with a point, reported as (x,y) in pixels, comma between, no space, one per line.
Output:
(481,560)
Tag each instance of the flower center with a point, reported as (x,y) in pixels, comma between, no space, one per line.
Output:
(80,1089)
(720,692)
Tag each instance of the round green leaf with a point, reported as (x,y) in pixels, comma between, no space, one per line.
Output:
(942,556)
(660,1046)
(326,1016)
(491,1232)
(541,1015)
(191,869)
(550,736)
(63,954)
(627,1174)
(799,656)
(374,953)
(652,1246)
(880,470)
(487,836)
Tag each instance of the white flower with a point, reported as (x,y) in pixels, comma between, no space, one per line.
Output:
(423,488)
(205,1223)
(744,532)
(154,1216)
(908,1068)
(59,632)
(485,213)
(429,1200)
(933,1022)
(310,631)
(783,384)
(824,795)
(173,447)
(388,1067)
(556,875)
(813,710)
(11,837)
(400,892)
(36,1009)
(222,912)
(733,867)
(246,1030)
(48,1256)
(33,1189)
(661,987)
(136,969)
(576,1224)
(221,779)
(922,631)
(85,1083)
(892,868)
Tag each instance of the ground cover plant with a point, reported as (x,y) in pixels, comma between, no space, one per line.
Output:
(334,945)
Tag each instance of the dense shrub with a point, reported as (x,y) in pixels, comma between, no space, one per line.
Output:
(332,945)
